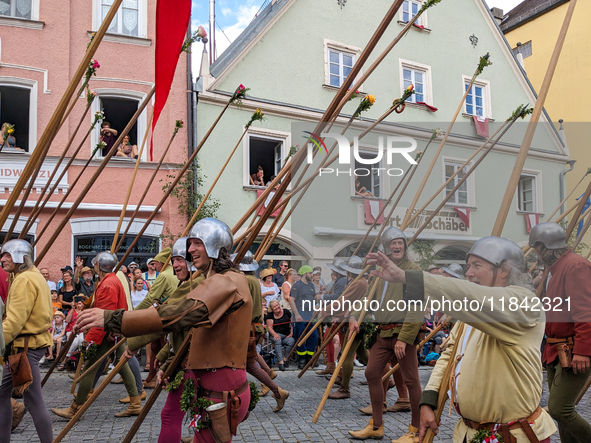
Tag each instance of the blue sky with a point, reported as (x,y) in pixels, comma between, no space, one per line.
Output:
(233,16)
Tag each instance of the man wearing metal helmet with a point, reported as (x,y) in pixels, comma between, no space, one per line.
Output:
(28,318)
(219,313)
(396,342)
(109,294)
(568,327)
(497,382)
(255,364)
(355,291)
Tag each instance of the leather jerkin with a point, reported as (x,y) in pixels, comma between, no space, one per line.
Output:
(564,347)
(225,343)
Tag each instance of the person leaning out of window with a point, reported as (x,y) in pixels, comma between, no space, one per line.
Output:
(126,149)
(257,179)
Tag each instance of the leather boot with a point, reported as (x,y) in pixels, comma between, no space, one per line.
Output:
(126,399)
(401,405)
(134,408)
(273,374)
(369,432)
(66,412)
(330,367)
(117,381)
(264,390)
(18,412)
(340,394)
(412,436)
(149,385)
(283,395)
(367,410)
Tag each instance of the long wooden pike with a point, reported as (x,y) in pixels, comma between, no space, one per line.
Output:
(97,363)
(56,118)
(34,211)
(174,364)
(130,187)
(431,334)
(92,180)
(59,359)
(345,351)
(77,373)
(463,179)
(575,220)
(440,148)
(583,231)
(531,129)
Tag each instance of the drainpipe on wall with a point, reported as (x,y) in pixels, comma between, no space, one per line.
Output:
(571,163)
(190,110)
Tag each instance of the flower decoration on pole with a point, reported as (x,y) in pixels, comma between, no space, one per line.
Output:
(257,116)
(427,5)
(98,116)
(522,111)
(90,96)
(355,94)
(484,62)
(200,35)
(91,70)
(367,102)
(400,103)
(239,94)
(178,125)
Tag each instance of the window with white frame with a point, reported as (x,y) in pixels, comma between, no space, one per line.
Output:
(476,100)
(16,108)
(129,18)
(416,77)
(340,64)
(462,195)
(17,8)
(409,9)
(526,194)
(367,182)
(265,158)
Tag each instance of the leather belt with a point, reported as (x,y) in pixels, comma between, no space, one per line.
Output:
(554,341)
(390,326)
(232,400)
(220,394)
(506,427)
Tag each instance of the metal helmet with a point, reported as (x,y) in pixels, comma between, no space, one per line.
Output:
(390,234)
(354,265)
(17,250)
(496,250)
(214,234)
(107,262)
(179,249)
(454,270)
(551,235)
(248,263)
(337,266)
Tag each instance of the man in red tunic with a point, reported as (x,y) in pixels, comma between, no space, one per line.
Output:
(567,302)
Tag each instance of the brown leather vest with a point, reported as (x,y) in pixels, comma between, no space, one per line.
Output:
(225,343)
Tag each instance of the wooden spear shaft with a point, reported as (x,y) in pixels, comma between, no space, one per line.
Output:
(342,360)
(439,149)
(130,187)
(531,129)
(454,175)
(92,180)
(56,118)
(59,359)
(176,361)
(34,212)
(578,212)
(569,195)
(77,373)
(84,407)
(419,346)
(582,233)
(99,361)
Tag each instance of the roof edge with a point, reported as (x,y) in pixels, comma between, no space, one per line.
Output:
(530,15)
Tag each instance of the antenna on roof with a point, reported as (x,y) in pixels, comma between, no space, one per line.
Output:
(212,48)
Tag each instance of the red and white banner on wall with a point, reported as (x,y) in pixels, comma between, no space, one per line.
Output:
(531,220)
(464,214)
(372,209)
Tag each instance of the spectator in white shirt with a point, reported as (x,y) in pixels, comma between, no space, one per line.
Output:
(138,293)
(45,274)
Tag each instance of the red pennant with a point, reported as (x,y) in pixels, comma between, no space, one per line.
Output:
(464,214)
(172,22)
(531,220)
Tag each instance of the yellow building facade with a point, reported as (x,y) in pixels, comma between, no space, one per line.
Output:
(535,25)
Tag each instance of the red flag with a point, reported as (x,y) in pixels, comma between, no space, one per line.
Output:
(172,22)
(429,107)
(464,214)
(481,126)
(372,209)
(264,207)
(531,220)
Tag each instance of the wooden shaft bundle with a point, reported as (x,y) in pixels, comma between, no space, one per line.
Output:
(100,360)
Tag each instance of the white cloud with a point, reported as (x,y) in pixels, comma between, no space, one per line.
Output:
(227,11)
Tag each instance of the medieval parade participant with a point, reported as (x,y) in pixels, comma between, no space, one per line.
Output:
(396,343)
(568,328)
(26,325)
(255,364)
(335,292)
(355,291)
(163,287)
(497,376)
(109,295)
(219,313)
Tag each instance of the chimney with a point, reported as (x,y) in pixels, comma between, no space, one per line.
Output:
(519,56)
(212,49)
(497,14)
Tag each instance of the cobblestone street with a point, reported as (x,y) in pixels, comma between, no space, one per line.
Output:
(293,424)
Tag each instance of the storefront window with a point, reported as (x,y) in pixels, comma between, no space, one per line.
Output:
(87,247)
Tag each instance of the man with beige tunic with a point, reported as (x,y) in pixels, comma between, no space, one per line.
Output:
(500,382)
